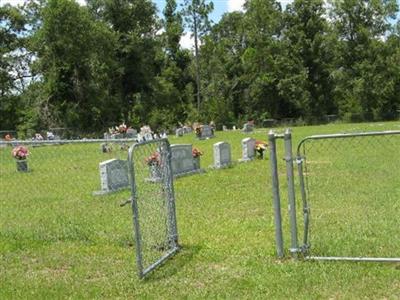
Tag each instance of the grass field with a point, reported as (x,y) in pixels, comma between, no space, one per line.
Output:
(59,241)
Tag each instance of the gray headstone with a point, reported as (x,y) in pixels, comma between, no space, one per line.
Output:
(148,136)
(234,127)
(187,129)
(224,128)
(179,132)
(113,175)
(248,128)
(248,149)
(131,133)
(182,161)
(206,132)
(222,155)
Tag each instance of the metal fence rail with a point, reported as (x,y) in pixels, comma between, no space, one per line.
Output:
(153,204)
(350,188)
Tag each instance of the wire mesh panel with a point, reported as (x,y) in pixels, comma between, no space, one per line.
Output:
(351,192)
(56,169)
(153,204)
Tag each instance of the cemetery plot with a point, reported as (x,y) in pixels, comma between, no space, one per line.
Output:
(153,204)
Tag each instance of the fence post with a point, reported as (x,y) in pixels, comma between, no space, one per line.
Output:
(275,193)
(291,192)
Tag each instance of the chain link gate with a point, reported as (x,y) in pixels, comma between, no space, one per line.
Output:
(153,204)
(350,190)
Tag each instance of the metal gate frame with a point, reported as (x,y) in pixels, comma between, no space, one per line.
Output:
(295,249)
(167,183)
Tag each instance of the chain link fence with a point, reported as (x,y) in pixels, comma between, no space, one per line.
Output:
(350,186)
(56,170)
(153,204)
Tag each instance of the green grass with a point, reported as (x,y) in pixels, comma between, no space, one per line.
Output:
(59,241)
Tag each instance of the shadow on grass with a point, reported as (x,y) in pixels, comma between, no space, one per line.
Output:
(175,264)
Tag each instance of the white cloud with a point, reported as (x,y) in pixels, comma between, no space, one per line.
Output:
(235,5)
(285,2)
(187,41)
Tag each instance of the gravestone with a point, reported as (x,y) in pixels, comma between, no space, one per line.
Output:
(182,162)
(222,155)
(234,127)
(247,127)
(148,136)
(179,132)
(224,128)
(131,133)
(113,176)
(187,129)
(206,132)
(248,149)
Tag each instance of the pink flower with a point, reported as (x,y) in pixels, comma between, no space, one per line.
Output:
(20,152)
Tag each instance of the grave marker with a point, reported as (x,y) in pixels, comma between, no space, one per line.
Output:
(222,155)
(248,149)
(113,176)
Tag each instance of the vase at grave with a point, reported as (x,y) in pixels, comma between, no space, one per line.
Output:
(155,172)
(196,162)
(22,165)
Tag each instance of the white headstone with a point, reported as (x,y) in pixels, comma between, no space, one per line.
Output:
(248,149)
(222,155)
(148,136)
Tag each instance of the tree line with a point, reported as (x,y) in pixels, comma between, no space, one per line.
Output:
(112,61)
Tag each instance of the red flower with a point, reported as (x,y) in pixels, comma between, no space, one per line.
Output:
(196,152)
(20,152)
(154,159)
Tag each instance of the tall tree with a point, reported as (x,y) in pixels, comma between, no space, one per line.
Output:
(72,53)
(361,27)
(310,42)
(196,16)
(13,64)
(135,26)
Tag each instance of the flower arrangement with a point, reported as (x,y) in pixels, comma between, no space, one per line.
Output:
(198,131)
(196,153)
(118,129)
(260,147)
(20,153)
(122,128)
(154,159)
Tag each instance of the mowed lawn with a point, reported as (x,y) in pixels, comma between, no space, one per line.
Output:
(57,240)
